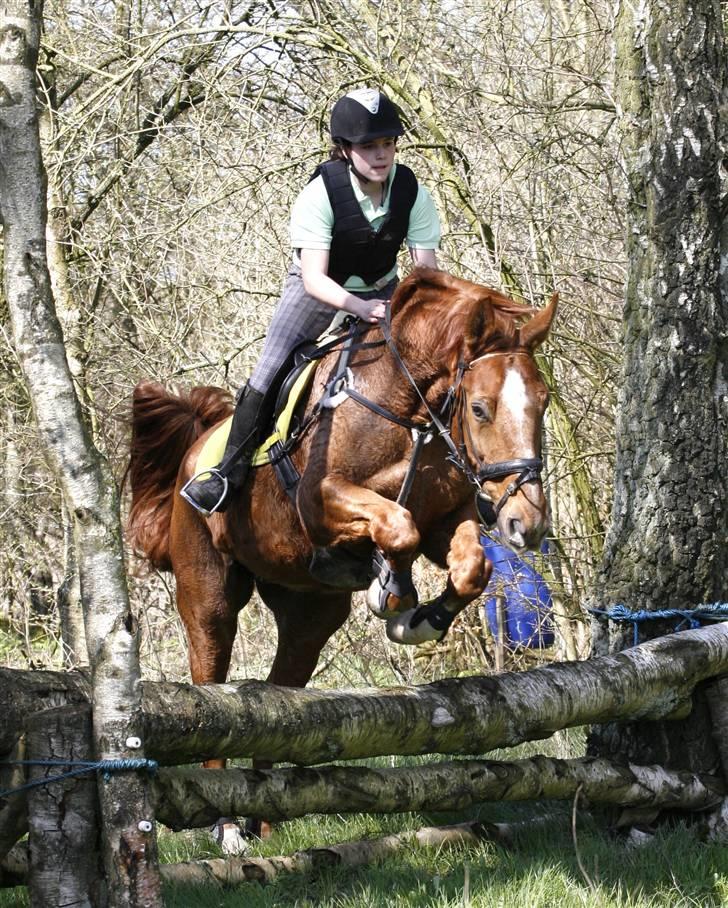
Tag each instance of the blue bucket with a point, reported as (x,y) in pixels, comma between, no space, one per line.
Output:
(528,605)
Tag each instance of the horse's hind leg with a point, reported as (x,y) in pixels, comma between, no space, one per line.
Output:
(305,621)
(211,590)
(209,598)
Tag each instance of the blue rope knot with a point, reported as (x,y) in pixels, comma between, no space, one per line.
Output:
(78,768)
(692,617)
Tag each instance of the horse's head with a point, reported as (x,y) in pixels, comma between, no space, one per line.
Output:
(444,323)
(502,403)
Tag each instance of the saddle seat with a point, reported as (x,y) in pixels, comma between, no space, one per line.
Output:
(293,380)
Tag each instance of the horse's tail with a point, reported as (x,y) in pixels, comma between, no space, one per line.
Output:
(163,427)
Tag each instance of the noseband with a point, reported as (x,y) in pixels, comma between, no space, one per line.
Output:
(528,469)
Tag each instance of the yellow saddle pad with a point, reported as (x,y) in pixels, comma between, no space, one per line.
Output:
(214,448)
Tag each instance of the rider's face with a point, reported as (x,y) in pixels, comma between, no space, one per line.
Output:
(373,160)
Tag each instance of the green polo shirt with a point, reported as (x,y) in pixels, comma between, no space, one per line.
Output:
(312,221)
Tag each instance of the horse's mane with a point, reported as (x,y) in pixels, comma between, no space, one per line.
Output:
(435,311)
(164,426)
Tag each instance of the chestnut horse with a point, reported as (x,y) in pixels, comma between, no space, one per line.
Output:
(459,368)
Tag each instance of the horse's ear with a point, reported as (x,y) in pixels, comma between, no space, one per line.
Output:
(534,332)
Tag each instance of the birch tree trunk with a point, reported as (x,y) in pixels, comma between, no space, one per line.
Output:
(667,543)
(198,797)
(86,480)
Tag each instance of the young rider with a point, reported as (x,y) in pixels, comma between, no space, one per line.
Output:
(347,226)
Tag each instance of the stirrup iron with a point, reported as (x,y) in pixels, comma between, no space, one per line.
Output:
(212,471)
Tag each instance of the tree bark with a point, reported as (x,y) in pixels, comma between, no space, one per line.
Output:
(232,871)
(13,810)
(185,723)
(188,798)
(667,543)
(63,815)
(86,480)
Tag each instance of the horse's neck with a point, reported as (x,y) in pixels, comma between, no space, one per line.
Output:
(427,381)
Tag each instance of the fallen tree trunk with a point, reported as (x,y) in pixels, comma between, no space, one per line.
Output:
(184,723)
(189,798)
(232,871)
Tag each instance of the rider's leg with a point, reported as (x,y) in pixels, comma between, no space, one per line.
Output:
(214,490)
(298,317)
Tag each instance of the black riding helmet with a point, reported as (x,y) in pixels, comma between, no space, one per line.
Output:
(363,115)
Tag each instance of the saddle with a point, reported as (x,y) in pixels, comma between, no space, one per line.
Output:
(282,422)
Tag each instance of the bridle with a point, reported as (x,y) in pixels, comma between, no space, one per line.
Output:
(528,468)
(440,423)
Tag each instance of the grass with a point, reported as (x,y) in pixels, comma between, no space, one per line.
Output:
(545,868)
(541,871)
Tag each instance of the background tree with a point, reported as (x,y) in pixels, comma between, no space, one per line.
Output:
(85,478)
(666,547)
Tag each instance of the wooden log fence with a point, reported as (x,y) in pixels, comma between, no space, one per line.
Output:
(184,724)
(190,798)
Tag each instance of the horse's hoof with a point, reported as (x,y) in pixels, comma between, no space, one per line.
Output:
(229,836)
(375,600)
(384,605)
(399,629)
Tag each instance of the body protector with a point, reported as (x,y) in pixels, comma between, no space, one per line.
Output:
(356,248)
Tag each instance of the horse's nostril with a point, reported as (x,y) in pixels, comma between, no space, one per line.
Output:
(515,531)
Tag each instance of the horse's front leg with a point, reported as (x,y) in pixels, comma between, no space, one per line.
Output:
(338,513)
(454,544)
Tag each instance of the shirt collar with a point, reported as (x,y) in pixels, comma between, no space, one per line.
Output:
(361,196)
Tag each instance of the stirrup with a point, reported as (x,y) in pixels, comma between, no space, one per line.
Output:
(212,471)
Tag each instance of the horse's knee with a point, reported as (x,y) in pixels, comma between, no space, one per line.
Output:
(469,576)
(393,530)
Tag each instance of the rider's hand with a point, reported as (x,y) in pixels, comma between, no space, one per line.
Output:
(368,310)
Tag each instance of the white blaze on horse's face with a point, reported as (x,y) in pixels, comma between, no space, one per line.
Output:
(514,403)
(505,403)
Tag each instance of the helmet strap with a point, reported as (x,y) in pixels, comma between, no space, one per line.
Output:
(356,173)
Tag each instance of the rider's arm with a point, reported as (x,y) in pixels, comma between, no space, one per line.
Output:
(314,265)
(423,230)
(424,257)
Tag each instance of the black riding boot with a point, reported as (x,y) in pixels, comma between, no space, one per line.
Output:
(215,492)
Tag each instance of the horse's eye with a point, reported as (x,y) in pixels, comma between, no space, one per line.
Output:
(480,410)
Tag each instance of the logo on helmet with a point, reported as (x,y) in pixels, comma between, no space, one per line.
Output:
(367,97)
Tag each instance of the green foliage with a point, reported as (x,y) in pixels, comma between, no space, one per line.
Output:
(540,871)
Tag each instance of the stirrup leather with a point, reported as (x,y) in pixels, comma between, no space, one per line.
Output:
(212,471)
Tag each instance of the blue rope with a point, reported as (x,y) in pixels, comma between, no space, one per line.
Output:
(107,767)
(692,617)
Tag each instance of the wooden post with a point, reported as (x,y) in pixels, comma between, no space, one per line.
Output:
(65,858)
(500,629)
